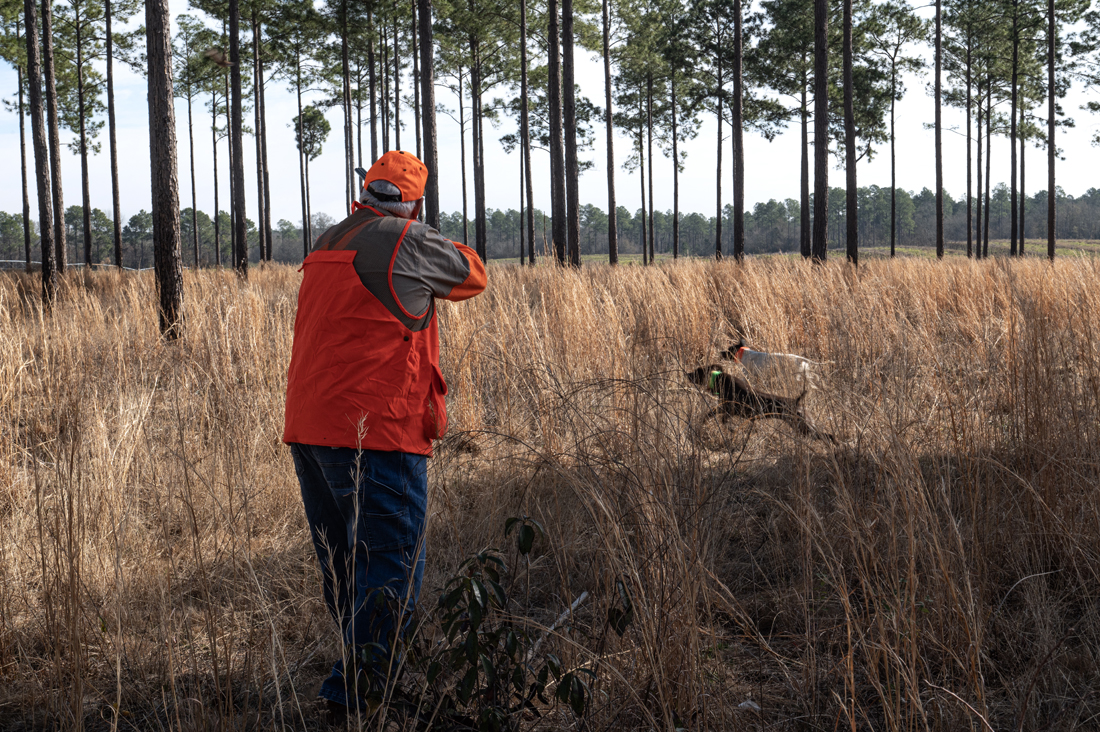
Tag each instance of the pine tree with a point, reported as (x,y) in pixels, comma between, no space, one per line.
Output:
(892,28)
(41,153)
(557,153)
(427,115)
(165,181)
(13,49)
(569,109)
(714,23)
(52,127)
(236,143)
(820,245)
(783,60)
(79,93)
(295,31)
(525,131)
(612,214)
(122,11)
(311,129)
(188,74)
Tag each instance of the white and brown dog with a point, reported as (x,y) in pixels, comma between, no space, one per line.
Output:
(784,365)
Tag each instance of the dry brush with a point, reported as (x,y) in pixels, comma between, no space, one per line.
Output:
(937,570)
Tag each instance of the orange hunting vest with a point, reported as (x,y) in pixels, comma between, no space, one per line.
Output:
(358,377)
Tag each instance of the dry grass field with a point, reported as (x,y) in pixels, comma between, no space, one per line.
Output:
(939,569)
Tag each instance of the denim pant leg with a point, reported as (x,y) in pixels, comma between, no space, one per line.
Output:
(366,515)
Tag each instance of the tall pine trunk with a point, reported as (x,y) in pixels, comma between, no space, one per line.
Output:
(718,171)
(557,155)
(116,208)
(41,153)
(969,174)
(462,160)
(396,85)
(358,111)
(480,234)
(373,84)
(23,164)
(194,199)
(257,84)
(612,213)
(1023,190)
(214,147)
(893,165)
(989,138)
(385,91)
(60,245)
(263,156)
(1012,124)
(240,236)
(649,154)
(521,208)
(345,80)
(306,238)
(525,131)
(737,133)
(232,180)
(165,181)
(675,173)
(821,130)
(717,162)
(1051,147)
(804,234)
(978,200)
(851,193)
(309,208)
(480,142)
(939,129)
(569,108)
(416,84)
(427,99)
(641,171)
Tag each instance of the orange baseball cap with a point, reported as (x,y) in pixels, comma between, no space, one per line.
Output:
(403,170)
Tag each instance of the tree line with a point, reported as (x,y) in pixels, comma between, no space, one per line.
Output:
(836,66)
(770,227)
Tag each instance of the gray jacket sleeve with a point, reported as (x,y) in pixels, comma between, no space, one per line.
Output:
(427,266)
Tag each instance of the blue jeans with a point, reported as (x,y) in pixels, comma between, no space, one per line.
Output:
(365,510)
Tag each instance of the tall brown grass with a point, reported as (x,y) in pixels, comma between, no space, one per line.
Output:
(939,570)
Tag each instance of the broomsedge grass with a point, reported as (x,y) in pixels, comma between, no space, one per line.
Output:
(938,570)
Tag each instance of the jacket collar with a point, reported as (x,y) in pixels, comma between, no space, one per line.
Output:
(356,207)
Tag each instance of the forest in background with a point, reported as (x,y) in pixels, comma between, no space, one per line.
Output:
(771,227)
(832,69)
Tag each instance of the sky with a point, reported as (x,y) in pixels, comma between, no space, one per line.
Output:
(771,168)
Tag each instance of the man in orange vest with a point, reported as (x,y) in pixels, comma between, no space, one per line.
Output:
(364,400)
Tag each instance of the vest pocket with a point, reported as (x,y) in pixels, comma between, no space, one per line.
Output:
(435,411)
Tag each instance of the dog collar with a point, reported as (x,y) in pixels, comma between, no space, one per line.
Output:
(714,380)
(737,356)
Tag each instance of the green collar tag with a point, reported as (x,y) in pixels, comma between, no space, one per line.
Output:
(714,380)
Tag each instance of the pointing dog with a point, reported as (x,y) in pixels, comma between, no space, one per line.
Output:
(737,399)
